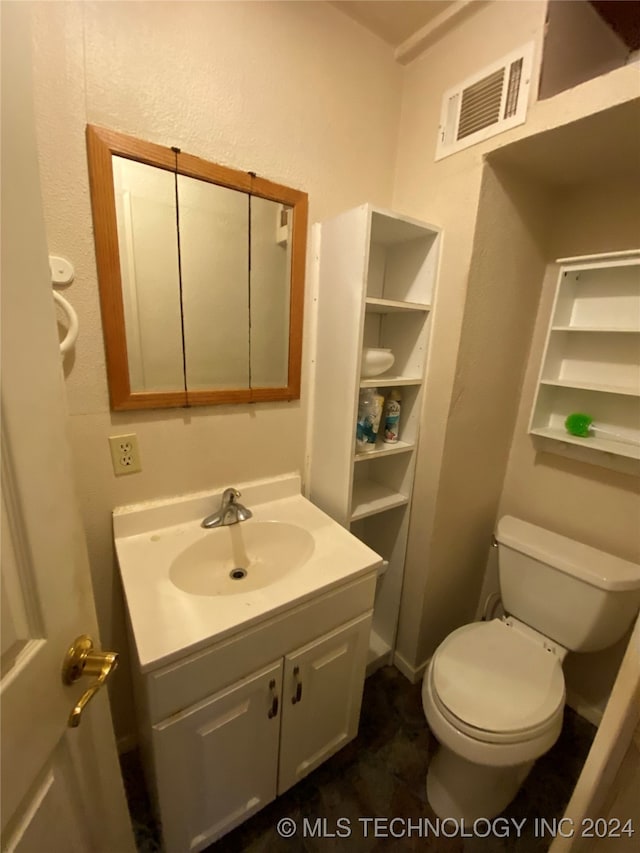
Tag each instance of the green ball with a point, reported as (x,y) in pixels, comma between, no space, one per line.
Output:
(578,424)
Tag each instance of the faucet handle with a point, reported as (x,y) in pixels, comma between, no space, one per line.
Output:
(229,495)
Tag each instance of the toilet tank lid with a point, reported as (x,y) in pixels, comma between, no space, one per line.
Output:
(569,556)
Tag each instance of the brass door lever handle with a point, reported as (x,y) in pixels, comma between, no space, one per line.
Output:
(81,659)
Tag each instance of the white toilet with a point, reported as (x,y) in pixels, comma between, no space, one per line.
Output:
(493,693)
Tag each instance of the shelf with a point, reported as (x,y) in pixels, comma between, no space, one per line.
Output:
(382,449)
(370,498)
(610,258)
(590,386)
(375,287)
(591,361)
(386,381)
(599,295)
(602,329)
(607,363)
(607,445)
(392,306)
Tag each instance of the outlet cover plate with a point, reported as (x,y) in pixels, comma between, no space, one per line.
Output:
(125,454)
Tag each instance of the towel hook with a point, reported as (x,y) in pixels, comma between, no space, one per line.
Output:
(72,332)
(62,273)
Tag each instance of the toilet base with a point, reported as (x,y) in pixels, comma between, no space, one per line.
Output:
(459,789)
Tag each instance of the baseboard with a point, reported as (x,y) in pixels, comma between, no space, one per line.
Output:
(414,674)
(126,743)
(589,712)
(379,653)
(377,663)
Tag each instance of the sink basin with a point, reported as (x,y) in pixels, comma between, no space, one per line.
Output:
(241,558)
(182,584)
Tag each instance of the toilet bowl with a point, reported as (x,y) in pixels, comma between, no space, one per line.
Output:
(493,693)
(493,696)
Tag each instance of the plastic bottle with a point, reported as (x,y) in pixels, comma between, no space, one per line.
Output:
(369,416)
(391,427)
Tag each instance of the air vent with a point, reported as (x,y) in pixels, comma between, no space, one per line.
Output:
(493,100)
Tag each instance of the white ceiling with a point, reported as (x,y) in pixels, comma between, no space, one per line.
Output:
(393,20)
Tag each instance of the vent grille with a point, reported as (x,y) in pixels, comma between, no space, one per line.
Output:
(515,76)
(481,104)
(488,103)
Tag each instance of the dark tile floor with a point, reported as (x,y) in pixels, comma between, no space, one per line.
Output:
(382,774)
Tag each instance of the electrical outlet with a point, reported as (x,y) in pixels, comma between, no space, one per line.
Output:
(125,454)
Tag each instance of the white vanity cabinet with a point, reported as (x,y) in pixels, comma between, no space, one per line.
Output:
(322,691)
(216,761)
(243,689)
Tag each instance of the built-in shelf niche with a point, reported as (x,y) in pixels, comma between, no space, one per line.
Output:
(409,423)
(380,484)
(609,363)
(388,540)
(401,261)
(376,286)
(602,297)
(591,363)
(404,334)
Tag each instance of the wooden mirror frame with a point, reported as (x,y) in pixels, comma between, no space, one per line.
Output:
(101,145)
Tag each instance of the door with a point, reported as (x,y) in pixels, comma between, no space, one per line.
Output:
(217,762)
(61,787)
(321,699)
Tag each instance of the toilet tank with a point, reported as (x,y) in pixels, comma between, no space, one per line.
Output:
(580,597)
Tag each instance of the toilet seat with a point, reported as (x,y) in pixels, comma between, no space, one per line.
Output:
(496,684)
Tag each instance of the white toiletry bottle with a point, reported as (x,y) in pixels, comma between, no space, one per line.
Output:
(391,426)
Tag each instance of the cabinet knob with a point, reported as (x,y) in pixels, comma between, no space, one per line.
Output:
(274,699)
(298,694)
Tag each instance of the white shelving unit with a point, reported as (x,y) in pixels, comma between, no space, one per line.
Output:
(591,362)
(376,282)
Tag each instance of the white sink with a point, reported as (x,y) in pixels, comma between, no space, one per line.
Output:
(178,577)
(241,558)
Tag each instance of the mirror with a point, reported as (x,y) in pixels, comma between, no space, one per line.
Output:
(201,276)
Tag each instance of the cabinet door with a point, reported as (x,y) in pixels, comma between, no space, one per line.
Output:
(216,762)
(322,694)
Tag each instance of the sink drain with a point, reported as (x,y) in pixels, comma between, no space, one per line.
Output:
(237,574)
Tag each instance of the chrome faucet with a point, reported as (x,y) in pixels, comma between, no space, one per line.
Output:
(230,512)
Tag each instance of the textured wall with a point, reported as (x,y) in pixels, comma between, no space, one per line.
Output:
(447,193)
(592,504)
(300,94)
(589,503)
(507,267)
(296,92)
(450,522)
(579,44)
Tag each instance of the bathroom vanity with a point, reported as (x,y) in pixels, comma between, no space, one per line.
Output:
(241,691)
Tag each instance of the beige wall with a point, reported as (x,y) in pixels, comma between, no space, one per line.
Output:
(507,266)
(608,783)
(579,45)
(301,94)
(296,92)
(447,193)
(592,504)
(587,502)
(451,519)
